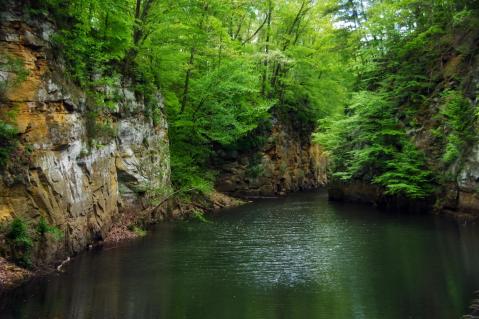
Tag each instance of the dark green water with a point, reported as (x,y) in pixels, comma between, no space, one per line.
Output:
(297,257)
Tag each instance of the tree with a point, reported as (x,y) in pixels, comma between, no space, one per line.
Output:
(403,54)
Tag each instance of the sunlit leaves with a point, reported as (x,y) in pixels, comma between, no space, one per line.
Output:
(369,144)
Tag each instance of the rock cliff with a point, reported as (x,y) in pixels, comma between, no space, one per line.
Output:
(59,172)
(287,162)
(462,194)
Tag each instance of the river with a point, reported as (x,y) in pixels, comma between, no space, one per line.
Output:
(294,257)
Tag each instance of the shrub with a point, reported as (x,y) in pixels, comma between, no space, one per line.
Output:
(459,122)
(140,232)
(20,242)
(200,216)
(8,142)
(255,168)
(369,145)
(13,72)
(43,228)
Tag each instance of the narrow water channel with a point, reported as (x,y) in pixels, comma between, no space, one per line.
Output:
(295,257)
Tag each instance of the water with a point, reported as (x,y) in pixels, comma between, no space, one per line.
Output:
(297,257)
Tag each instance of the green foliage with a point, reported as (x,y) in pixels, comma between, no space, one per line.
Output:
(94,39)
(406,174)
(43,228)
(187,174)
(20,242)
(94,35)
(100,131)
(460,120)
(223,68)
(369,144)
(255,168)
(20,237)
(12,73)
(8,142)
(224,106)
(255,171)
(404,54)
(200,216)
(366,70)
(140,232)
(100,103)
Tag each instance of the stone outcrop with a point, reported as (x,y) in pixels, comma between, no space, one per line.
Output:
(463,195)
(287,162)
(56,172)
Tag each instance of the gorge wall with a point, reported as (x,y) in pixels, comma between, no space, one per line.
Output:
(83,171)
(287,162)
(457,183)
(78,183)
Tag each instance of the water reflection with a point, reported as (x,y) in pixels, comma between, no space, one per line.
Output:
(299,257)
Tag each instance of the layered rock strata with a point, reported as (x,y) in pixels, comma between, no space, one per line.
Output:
(59,172)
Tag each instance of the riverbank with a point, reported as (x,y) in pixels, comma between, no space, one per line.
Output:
(11,275)
(131,225)
(368,194)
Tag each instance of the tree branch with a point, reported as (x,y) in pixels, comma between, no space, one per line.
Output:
(256,32)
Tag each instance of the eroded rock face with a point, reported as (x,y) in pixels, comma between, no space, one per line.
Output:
(466,192)
(287,162)
(56,173)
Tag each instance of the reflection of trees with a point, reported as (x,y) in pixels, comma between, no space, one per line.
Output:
(283,258)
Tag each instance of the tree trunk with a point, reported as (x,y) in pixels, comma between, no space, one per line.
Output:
(186,85)
(266,50)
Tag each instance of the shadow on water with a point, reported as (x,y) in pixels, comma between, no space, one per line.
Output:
(294,257)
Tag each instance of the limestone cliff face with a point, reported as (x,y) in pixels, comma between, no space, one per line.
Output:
(287,162)
(56,172)
(463,195)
